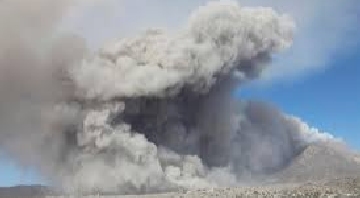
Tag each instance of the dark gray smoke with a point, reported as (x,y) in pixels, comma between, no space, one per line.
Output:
(148,113)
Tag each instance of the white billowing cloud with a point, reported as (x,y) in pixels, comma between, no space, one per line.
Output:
(324,28)
(158,62)
(310,134)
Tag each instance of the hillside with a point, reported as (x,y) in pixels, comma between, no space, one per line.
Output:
(322,161)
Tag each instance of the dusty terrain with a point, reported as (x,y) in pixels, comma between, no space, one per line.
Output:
(321,170)
(335,188)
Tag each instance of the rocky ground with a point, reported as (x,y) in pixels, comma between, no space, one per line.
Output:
(336,188)
(346,187)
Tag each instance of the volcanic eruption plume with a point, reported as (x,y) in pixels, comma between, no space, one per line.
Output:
(149,113)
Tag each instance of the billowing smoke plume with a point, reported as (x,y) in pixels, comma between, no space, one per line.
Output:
(148,113)
(33,63)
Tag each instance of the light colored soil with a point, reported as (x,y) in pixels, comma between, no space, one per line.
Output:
(347,187)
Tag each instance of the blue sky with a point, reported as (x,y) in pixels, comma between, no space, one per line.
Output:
(318,80)
(328,100)
(12,174)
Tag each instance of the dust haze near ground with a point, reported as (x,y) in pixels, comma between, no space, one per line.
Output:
(306,176)
(149,113)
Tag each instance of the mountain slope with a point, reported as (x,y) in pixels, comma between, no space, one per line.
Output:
(321,161)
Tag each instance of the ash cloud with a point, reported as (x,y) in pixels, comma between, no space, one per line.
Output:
(148,113)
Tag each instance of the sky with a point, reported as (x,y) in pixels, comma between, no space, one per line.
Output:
(328,100)
(318,79)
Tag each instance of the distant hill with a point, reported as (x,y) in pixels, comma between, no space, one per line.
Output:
(25,191)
